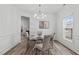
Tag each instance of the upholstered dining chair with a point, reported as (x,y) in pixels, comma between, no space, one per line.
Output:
(44,47)
(52,39)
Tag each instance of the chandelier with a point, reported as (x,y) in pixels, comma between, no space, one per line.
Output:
(40,14)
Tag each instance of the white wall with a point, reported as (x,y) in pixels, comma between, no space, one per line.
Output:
(25,23)
(9,27)
(34,25)
(67,11)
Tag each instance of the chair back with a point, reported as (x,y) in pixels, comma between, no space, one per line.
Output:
(39,33)
(52,37)
(46,42)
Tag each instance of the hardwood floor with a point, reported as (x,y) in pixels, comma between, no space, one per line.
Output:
(58,49)
(19,49)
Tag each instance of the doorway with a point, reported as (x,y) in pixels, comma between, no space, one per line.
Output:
(25,25)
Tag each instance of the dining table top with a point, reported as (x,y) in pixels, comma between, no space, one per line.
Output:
(36,37)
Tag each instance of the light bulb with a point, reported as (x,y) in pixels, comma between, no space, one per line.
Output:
(35,15)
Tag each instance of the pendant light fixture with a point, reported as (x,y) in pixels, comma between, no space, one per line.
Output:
(39,14)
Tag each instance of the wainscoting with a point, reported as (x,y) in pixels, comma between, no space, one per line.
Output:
(8,41)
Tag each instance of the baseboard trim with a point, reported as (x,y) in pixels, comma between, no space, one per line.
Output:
(11,49)
(67,47)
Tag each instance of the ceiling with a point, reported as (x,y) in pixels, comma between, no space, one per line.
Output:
(45,8)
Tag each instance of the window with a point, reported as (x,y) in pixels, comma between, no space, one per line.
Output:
(68,27)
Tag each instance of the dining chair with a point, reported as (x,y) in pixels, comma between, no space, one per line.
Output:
(44,47)
(52,39)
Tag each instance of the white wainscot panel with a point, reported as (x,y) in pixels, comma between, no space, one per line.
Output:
(8,41)
(76,41)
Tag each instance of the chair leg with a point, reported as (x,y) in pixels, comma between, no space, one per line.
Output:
(35,51)
(48,52)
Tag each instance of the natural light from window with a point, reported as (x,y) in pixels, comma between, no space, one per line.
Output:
(68,27)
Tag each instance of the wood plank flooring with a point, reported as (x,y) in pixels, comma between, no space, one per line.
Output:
(58,49)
